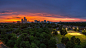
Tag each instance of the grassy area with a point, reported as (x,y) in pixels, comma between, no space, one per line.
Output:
(81,37)
(69,35)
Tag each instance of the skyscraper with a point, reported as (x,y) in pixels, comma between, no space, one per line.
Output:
(21,20)
(44,21)
(24,20)
(35,21)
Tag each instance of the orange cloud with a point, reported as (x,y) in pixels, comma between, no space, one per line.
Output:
(39,16)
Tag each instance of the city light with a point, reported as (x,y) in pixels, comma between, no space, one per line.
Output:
(66,29)
(73,27)
(77,28)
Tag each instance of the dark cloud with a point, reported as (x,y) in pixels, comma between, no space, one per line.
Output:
(8,12)
(66,8)
(16,17)
(4,11)
(12,18)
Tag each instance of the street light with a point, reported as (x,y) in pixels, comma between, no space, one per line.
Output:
(66,29)
(73,27)
(84,30)
(77,28)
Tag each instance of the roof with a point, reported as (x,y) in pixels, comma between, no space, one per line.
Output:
(60,45)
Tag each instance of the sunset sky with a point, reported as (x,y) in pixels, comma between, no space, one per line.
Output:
(50,10)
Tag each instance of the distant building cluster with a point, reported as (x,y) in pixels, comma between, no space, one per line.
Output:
(24,20)
(35,21)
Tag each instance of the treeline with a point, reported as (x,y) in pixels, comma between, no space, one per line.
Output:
(74,23)
(33,25)
(84,32)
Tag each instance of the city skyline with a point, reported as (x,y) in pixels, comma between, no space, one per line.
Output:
(24,20)
(54,11)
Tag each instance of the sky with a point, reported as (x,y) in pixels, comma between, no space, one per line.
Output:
(50,10)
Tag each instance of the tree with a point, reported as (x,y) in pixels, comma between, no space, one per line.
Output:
(22,37)
(63,32)
(84,32)
(17,31)
(37,42)
(31,38)
(10,39)
(75,40)
(42,45)
(25,31)
(52,43)
(73,43)
(0,31)
(69,44)
(77,46)
(55,32)
(64,40)
(25,44)
(60,27)
(10,43)
(33,45)
(78,41)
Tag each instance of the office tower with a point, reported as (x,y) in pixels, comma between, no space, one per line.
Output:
(38,21)
(21,20)
(13,22)
(25,20)
(44,21)
(35,21)
(48,21)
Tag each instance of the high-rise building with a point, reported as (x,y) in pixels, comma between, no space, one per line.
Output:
(13,22)
(48,21)
(21,20)
(35,21)
(38,21)
(24,20)
(44,21)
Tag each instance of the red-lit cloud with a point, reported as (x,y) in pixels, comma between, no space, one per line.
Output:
(9,16)
(51,10)
(38,16)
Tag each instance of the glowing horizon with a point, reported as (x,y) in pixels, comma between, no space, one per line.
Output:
(11,17)
(40,18)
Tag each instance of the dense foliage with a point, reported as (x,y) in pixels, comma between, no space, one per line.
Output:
(28,36)
(72,43)
(74,23)
(84,32)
